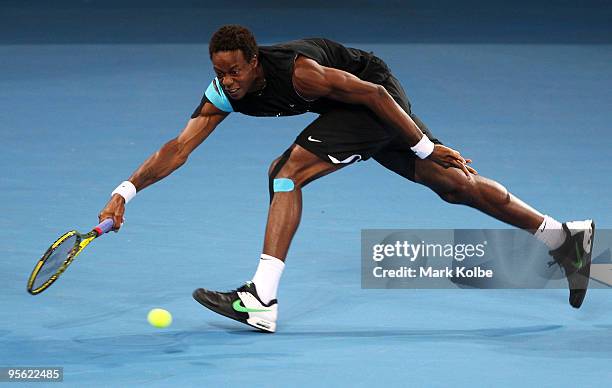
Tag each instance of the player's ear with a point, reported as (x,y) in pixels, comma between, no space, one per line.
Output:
(254,61)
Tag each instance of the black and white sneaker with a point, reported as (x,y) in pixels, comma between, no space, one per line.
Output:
(242,305)
(574,256)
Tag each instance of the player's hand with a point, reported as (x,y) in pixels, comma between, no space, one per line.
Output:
(448,157)
(115,209)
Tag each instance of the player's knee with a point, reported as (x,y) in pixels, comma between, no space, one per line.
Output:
(288,177)
(282,175)
(289,170)
(273,165)
(283,185)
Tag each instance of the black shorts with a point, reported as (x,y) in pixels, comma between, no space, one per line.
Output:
(352,133)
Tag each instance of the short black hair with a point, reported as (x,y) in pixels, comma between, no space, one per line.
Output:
(233,37)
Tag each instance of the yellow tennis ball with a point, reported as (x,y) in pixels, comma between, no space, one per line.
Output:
(159,318)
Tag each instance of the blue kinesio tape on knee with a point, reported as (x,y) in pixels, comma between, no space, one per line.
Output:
(283,184)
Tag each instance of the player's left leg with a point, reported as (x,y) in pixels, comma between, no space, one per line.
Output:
(570,243)
(476,191)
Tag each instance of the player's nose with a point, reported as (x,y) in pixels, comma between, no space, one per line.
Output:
(227,82)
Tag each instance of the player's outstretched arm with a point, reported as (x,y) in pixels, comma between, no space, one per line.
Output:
(313,81)
(167,159)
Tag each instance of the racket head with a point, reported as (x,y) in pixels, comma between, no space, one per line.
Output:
(60,254)
(54,262)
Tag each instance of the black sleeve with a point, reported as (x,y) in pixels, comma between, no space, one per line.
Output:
(197,111)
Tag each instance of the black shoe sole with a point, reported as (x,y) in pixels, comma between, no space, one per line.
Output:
(577,296)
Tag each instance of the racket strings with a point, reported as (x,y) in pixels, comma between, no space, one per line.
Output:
(56,260)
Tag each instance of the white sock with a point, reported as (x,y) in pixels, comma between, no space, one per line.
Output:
(551,233)
(267,276)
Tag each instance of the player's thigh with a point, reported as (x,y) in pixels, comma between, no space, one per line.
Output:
(300,165)
(397,155)
(441,179)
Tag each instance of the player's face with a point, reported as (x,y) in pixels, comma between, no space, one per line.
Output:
(235,73)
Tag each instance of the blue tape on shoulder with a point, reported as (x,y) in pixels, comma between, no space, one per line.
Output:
(283,184)
(217,97)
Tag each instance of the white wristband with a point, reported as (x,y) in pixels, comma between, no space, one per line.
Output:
(126,189)
(423,148)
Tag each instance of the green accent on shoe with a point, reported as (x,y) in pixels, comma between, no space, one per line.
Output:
(237,305)
(580,262)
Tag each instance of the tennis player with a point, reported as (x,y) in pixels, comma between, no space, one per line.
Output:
(363,113)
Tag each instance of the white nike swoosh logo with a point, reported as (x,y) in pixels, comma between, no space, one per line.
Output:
(310,138)
(350,159)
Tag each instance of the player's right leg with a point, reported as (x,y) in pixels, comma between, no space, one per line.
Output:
(335,139)
(287,176)
(255,302)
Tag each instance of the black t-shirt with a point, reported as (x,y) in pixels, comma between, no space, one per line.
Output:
(279,97)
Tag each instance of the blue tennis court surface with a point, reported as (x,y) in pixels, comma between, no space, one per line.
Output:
(78,119)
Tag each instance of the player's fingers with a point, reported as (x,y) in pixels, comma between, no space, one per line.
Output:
(455,154)
(456,159)
(457,163)
(104,215)
(444,162)
(117,221)
(449,161)
(465,170)
(452,154)
(472,170)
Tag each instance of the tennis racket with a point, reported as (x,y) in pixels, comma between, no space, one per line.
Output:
(60,254)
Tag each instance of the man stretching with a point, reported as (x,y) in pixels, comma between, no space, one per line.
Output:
(363,113)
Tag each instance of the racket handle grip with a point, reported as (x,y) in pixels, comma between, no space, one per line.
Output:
(104,226)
